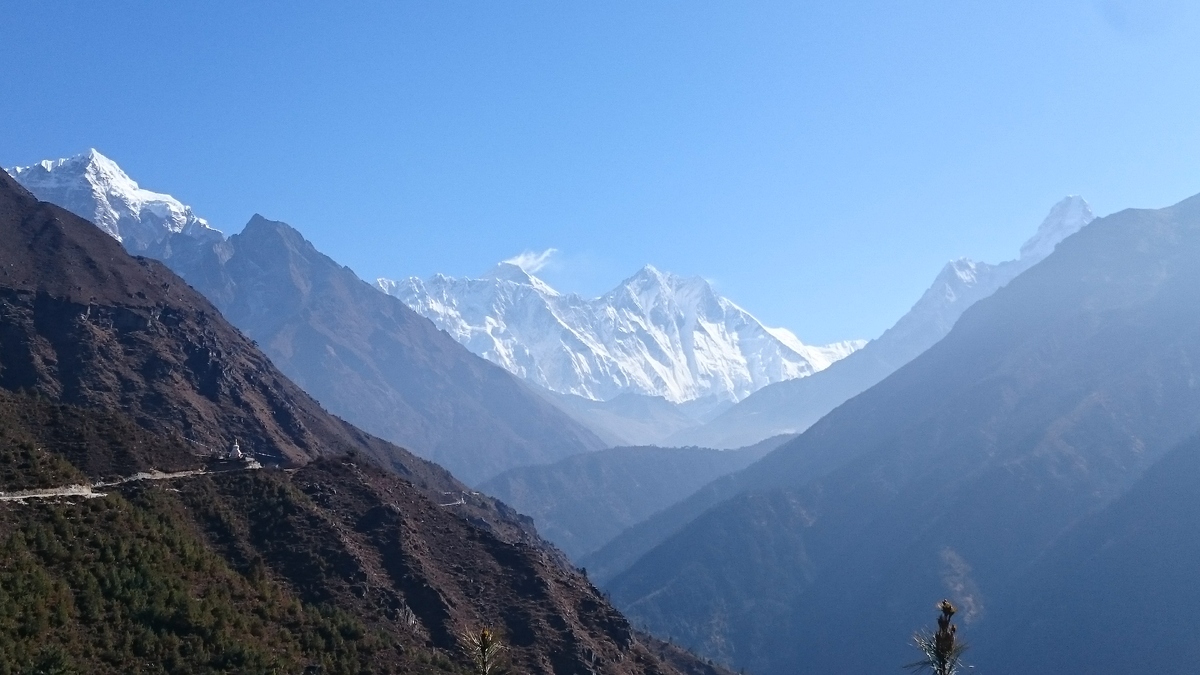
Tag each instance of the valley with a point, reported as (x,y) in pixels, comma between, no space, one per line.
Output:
(623,338)
(731,552)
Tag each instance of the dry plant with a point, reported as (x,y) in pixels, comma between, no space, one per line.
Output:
(485,649)
(943,652)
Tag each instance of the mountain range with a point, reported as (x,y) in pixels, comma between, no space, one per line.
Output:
(1024,442)
(362,354)
(655,334)
(792,406)
(798,404)
(113,370)
(1033,466)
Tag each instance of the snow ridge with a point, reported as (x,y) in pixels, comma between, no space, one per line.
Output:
(92,186)
(963,282)
(655,334)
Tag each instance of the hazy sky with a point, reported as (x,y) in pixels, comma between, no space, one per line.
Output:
(819,161)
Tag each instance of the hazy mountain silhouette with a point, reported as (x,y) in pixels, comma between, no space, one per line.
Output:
(581,502)
(956,474)
(793,405)
(1122,579)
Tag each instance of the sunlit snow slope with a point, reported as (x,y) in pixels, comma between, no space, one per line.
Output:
(655,334)
(94,187)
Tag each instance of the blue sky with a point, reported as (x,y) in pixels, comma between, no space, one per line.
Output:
(820,161)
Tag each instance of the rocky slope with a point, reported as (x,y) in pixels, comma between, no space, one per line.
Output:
(960,474)
(84,323)
(336,567)
(367,356)
(333,565)
(364,355)
(791,406)
(655,334)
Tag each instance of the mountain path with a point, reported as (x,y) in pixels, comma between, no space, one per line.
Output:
(89,491)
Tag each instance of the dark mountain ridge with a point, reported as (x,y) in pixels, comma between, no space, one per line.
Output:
(84,323)
(330,564)
(96,328)
(370,358)
(953,476)
(364,355)
(1128,571)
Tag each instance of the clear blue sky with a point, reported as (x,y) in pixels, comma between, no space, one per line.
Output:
(820,161)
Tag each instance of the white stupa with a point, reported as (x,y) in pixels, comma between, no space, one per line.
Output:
(236,451)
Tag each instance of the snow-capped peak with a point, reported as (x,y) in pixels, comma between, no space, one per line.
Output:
(512,272)
(650,274)
(94,187)
(963,282)
(655,333)
(1067,217)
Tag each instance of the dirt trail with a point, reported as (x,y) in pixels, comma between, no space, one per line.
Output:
(90,491)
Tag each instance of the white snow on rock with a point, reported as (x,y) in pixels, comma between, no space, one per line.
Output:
(790,407)
(655,334)
(92,186)
(1066,218)
(963,282)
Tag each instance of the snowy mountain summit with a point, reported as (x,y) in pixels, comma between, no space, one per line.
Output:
(655,334)
(92,186)
(1066,218)
(964,281)
(790,407)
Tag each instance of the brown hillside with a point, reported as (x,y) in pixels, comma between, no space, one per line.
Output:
(113,364)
